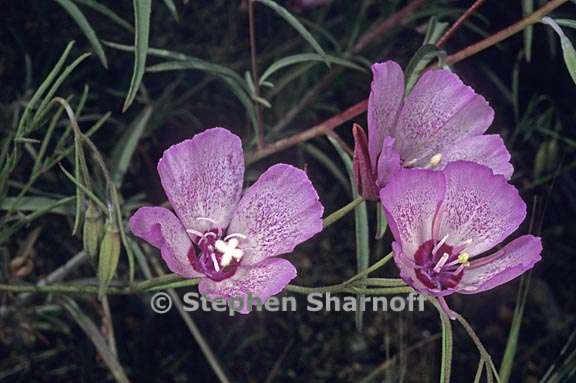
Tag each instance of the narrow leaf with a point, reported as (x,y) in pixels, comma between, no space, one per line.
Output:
(567,48)
(142,9)
(528,8)
(126,146)
(295,23)
(306,57)
(86,28)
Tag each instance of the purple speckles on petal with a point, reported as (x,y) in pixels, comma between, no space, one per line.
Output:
(441,120)
(203,177)
(443,220)
(229,241)
(277,212)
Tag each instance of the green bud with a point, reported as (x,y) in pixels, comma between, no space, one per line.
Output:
(108,257)
(92,231)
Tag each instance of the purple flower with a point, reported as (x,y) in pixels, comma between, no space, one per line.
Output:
(441,120)
(228,238)
(443,223)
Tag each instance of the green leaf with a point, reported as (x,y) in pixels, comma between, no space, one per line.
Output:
(361,228)
(567,48)
(104,10)
(92,331)
(86,28)
(434,31)
(142,9)
(528,8)
(172,7)
(32,204)
(512,342)
(306,57)
(420,61)
(126,146)
(566,23)
(296,24)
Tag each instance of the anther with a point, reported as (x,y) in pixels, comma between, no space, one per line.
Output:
(439,245)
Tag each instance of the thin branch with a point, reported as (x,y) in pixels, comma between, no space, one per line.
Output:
(505,33)
(361,107)
(363,42)
(459,22)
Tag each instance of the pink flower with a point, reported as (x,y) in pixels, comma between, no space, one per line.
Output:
(444,222)
(230,239)
(441,120)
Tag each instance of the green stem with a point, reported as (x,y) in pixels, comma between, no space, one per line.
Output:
(340,213)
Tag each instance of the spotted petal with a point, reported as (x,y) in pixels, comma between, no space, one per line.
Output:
(279,211)
(410,201)
(511,261)
(162,229)
(203,177)
(479,206)
(386,94)
(439,110)
(261,281)
(487,149)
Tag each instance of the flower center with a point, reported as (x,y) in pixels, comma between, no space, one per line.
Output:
(440,266)
(216,256)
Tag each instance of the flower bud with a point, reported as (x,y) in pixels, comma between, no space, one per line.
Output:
(92,230)
(108,256)
(363,174)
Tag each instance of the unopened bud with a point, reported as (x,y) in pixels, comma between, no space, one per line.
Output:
(108,256)
(92,230)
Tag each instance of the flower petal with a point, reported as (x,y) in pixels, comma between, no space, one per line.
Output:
(439,110)
(388,162)
(162,229)
(386,94)
(203,177)
(279,211)
(487,149)
(511,261)
(479,206)
(410,201)
(261,281)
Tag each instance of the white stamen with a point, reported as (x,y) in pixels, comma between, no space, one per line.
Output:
(441,262)
(439,244)
(410,163)
(215,262)
(229,250)
(235,235)
(435,160)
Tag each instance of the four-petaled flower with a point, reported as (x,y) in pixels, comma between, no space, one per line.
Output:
(441,120)
(229,239)
(443,222)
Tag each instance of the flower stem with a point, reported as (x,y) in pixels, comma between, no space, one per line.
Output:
(340,213)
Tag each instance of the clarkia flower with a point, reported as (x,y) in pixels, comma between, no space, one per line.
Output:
(227,238)
(439,121)
(443,223)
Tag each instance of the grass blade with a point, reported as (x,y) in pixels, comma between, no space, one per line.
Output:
(142,9)
(127,144)
(91,330)
(296,24)
(528,8)
(172,7)
(104,10)
(306,57)
(512,342)
(361,228)
(567,48)
(85,27)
